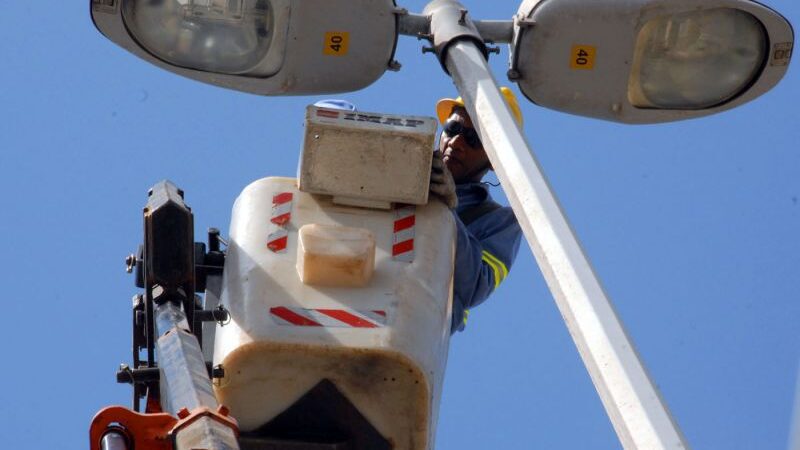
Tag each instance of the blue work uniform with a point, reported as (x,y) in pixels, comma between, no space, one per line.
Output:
(485,248)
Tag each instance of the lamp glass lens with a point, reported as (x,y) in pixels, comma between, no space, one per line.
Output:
(697,59)
(221,36)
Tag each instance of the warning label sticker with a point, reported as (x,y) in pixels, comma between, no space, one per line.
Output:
(337,43)
(582,57)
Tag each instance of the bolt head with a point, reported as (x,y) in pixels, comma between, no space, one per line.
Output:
(217,371)
(130,263)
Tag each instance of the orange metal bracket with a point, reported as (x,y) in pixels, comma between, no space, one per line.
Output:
(152,431)
(146,431)
(221,415)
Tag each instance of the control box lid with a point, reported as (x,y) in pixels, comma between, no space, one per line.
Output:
(367,159)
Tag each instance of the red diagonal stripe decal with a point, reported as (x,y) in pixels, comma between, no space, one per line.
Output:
(278,244)
(292,317)
(282,219)
(402,247)
(283,197)
(346,317)
(404,223)
(380,313)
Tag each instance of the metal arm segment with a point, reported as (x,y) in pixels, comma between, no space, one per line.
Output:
(419,25)
(185,385)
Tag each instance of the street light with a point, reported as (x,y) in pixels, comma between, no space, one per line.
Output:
(269,47)
(646,61)
(639,61)
(634,61)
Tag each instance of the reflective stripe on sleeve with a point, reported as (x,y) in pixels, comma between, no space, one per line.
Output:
(466,316)
(500,270)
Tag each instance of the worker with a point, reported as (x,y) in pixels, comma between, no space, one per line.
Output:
(487,235)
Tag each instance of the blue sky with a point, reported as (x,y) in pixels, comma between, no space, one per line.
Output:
(692,227)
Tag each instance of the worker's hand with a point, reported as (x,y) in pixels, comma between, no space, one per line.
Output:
(442,183)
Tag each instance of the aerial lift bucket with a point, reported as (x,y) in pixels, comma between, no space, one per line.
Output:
(339,290)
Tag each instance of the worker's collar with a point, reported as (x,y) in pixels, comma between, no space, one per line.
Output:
(471,194)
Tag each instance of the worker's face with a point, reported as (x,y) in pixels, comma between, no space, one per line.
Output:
(462,152)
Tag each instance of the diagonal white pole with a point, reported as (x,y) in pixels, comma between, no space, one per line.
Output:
(794,430)
(639,415)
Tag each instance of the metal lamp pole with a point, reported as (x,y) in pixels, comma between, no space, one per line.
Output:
(638,413)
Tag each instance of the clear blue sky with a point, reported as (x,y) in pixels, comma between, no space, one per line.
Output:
(692,226)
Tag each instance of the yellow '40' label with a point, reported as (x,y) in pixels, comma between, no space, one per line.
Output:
(336,43)
(781,54)
(582,57)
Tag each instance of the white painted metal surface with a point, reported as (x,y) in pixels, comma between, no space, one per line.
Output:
(389,363)
(640,417)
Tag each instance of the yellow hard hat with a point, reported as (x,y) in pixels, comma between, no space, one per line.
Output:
(444,107)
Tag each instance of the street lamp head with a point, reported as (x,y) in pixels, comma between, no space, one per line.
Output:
(270,47)
(647,61)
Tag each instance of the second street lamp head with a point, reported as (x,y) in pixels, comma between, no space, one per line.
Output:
(270,47)
(646,61)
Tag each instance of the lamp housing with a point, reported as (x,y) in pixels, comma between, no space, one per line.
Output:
(269,47)
(647,61)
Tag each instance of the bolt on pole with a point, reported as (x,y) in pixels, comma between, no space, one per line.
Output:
(640,417)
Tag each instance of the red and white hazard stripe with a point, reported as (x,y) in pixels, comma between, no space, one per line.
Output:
(278,240)
(281,208)
(328,318)
(403,237)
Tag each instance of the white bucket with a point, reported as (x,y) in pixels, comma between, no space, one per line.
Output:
(383,345)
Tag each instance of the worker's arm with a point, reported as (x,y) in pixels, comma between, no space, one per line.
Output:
(485,251)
